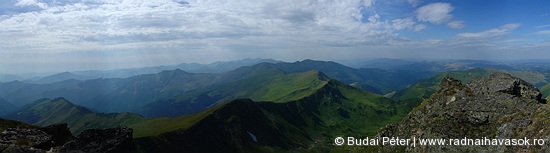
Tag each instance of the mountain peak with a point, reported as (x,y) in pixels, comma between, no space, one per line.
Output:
(498,106)
(506,83)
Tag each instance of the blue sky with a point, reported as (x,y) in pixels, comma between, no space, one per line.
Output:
(55,35)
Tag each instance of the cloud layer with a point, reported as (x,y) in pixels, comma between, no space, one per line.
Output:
(112,25)
(138,31)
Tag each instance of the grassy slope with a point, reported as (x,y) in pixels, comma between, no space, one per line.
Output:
(260,84)
(59,110)
(4,124)
(306,124)
(157,126)
(545,90)
(268,84)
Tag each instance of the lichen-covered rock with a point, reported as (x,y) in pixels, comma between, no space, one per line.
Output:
(498,107)
(34,140)
(117,139)
(4,148)
(25,137)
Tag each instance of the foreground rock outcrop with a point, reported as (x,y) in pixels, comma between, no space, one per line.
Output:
(58,138)
(112,140)
(498,107)
(34,140)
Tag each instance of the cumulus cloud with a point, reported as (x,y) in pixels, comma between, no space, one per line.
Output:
(137,24)
(489,34)
(456,24)
(23,3)
(435,13)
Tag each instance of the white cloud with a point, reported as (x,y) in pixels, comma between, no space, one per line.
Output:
(414,3)
(23,3)
(419,27)
(119,25)
(543,32)
(489,34)
(435,13)
(456,24)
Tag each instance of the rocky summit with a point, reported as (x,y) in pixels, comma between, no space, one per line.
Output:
(58,138)
(111,140)
(498,107)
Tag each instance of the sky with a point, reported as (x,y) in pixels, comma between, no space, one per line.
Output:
(65,35)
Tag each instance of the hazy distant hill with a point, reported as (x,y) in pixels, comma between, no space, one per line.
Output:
(110,95)
(5,107)
(8,77)
(57,78)
(440,65)
(216,67)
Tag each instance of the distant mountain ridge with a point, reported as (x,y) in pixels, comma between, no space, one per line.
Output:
(131,94)
(216,67)
(308,124)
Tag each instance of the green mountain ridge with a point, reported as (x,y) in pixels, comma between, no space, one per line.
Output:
(59,110)
(309,124)
(133,93)
(260,83)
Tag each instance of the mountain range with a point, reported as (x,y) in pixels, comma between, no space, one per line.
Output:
(216,67)
(134,94)
(333,108)
(285,107)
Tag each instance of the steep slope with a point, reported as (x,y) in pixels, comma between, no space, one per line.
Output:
(307,124)
(497,107)
(260,82)
(545,90)
(51,111)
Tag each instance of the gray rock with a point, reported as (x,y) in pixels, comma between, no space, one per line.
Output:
(500,106)
(24,137)
(117,139)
